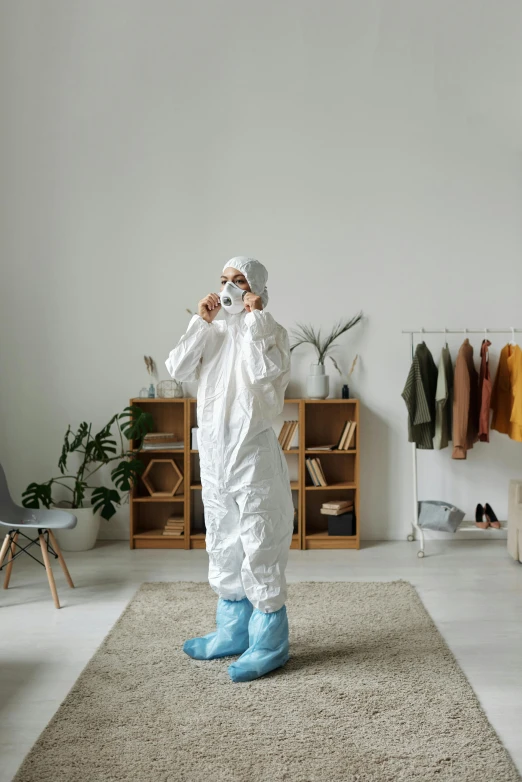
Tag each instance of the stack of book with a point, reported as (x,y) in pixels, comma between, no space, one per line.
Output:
(316,472)
(344,443)
(341,517)
(337,507)
(286,435)
(174,527)
(160,441)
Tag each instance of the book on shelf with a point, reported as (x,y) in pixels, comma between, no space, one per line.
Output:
(336,504)
(351,434)
(163,446)
(292,433)
(319,469)
(175,526)
(316,472)
(336,511)
(311,472)
(346,437)
(282,433)
(286,434)
(329,447)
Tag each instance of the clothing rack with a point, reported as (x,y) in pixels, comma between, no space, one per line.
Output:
(412,332)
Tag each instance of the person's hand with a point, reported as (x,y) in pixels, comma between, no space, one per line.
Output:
(252,302)
(209,306)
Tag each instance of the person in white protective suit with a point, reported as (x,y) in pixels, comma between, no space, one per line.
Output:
(242,363)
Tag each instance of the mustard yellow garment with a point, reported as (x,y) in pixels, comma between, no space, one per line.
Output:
(506,397)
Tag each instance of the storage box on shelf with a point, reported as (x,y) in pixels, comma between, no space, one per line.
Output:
(321,421)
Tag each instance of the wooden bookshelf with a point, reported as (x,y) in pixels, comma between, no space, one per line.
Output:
(320,421)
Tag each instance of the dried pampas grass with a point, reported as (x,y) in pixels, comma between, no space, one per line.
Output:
(151,366)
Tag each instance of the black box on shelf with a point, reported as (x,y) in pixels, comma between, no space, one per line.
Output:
(344,524)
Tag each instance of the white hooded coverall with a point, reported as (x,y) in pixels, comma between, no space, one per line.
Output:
(242,363)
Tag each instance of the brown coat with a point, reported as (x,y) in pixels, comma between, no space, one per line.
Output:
(485,386)
(465,402)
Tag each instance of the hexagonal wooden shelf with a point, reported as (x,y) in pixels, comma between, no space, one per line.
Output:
(162,477)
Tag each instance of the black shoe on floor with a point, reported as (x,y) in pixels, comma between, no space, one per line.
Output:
(479,517)
(490,515)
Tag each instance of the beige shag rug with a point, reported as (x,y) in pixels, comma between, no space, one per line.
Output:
(372,693)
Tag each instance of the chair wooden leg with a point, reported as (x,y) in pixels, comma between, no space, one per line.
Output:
(10,562)
(45,555)
(61,560)
(5,546)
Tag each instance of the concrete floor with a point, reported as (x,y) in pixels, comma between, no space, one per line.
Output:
(472,590)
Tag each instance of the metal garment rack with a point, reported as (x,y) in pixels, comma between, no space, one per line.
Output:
(412,332)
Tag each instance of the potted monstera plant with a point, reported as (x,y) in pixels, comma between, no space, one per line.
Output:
(94,451)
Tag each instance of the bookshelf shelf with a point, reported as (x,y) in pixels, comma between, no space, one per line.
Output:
(320,451)
(159,499)
(332,486)
(320,421)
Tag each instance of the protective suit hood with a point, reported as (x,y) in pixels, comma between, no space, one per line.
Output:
(255,273)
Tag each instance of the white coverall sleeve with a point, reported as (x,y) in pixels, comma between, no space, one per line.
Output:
(184,360)
(266,353)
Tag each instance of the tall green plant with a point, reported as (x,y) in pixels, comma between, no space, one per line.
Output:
(96,451)
(305,334)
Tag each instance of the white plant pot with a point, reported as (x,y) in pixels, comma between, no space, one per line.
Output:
(317,382)
(84,535)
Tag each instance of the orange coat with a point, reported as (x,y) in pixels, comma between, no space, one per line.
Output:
(506,397)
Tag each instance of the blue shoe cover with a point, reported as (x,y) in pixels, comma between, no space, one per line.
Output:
(231,636)
(269,647)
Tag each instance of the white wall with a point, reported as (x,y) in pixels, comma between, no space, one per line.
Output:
(367,152)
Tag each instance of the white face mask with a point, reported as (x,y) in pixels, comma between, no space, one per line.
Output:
(232,298)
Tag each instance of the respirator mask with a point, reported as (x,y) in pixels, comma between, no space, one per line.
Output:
(232,298)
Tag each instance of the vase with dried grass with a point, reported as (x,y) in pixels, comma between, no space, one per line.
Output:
(318,382)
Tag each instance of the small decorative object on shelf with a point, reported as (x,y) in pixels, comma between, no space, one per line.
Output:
(345,393)
(318,381)
(152,370)
(161,441)
(169,389)
(162,477)
(144,393)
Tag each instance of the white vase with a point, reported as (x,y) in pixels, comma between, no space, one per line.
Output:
(317,382)
(83,536)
